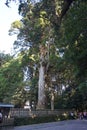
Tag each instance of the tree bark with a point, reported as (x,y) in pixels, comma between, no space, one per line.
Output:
(41,84)
(41,88)
(52,101)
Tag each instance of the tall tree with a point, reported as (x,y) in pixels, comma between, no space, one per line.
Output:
(37,33)
(43,23)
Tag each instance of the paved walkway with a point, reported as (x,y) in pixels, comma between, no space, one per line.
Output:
(62,125)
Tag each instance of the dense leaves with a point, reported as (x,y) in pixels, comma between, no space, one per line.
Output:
(59,27)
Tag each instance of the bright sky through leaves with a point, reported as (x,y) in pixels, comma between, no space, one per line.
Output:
(7,16)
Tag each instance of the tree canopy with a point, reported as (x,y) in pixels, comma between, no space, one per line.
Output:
(55,30)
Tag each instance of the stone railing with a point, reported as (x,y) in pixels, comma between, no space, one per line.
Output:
(20,112)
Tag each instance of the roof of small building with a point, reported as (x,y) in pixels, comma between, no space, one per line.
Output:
(6,105)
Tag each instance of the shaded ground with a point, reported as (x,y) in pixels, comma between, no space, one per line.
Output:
(62,125)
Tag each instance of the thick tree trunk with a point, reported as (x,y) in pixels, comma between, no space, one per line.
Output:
(41,83)
(41,89)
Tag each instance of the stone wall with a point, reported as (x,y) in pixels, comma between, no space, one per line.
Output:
(20,112)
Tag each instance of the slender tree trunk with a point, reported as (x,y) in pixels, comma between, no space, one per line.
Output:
(52,101)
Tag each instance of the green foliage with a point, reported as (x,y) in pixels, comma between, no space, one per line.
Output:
(75,33)
(73,38)
(4,58)
(41,24)
(10,79)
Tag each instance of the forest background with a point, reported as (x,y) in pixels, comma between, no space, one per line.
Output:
(49,67)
